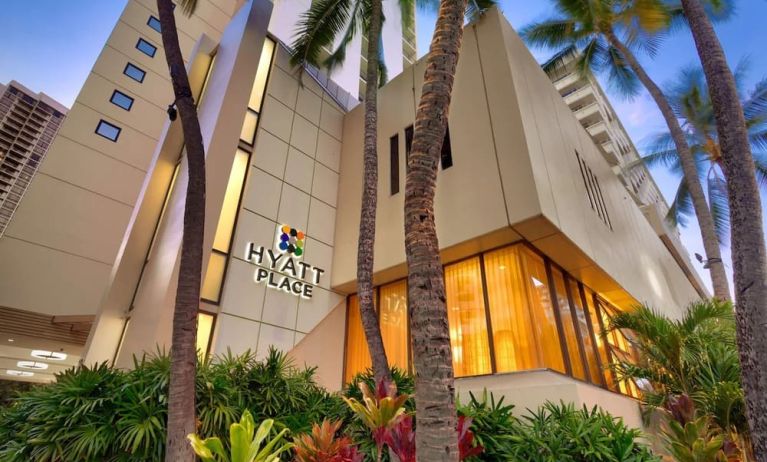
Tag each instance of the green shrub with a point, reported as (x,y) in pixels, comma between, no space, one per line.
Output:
(102,414)
(553,433)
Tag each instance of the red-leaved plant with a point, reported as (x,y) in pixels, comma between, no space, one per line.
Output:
(466,446)
(401,439)
(323,446)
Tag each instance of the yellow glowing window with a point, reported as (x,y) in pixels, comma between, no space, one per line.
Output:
(357,354)
(231,202)
(259,83)
(582,322)
(467,320)
(214,277)
(604,356)
(568,325)
(204,332)
(248,132)
(171,186)
(393,321)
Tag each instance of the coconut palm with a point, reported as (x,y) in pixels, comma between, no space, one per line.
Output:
(695,356)
(181,401)
(318,29)
(749,254)
(691,102)
(607,32)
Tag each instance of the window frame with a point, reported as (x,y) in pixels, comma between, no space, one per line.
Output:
(394,164)
(132,66)
(119,93)
(156,21)
(104,122)
(141,42)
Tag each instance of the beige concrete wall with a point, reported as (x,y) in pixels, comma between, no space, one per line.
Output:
(293,180)
(67,231)
(513,141)
(323,348)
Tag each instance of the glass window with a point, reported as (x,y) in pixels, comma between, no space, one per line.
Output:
(108,131)
(231,204)
(394,164)
(545,320)
(146,48)
(205,323)
(394,322)
(248,132)
(214,277)
(154,23)
(585,330)
(259,83)
(357,354)
(596,324)
(408,142)
(568,326)
(619,346)
(466,316)
(516,347)
(134,72)
(122,100)
(446,157)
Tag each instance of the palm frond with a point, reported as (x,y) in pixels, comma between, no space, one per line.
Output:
(317,28)
(681,207)
(407,13)
(188,7)
(760,163)
(662,152)
(720,207)
(551,33)
(620,76)
(356,21)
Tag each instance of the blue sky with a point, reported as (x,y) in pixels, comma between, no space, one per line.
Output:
(51,45)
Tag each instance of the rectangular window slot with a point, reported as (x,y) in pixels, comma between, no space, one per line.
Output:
(108,131)
(122,100)
(134,72)
(154,23)
(394,164)
(146,48)
(594,191)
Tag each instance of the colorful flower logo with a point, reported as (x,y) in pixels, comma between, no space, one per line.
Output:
(291,240)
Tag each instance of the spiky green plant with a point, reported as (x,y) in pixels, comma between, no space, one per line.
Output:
(246,443)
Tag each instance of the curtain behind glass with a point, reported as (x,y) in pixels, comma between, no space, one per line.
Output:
(357,353)
(583,326)
(568,325)
(604,356)
(466,316)
(511,313)
(544,319)
(393,321)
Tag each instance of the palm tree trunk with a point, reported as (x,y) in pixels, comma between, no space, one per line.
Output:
(436,438)
(181,399)
(748,247)
(702,212)
(366,242)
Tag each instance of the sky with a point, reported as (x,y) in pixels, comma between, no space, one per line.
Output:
(51,45)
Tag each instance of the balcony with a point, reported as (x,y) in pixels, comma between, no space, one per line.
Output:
(578,95)
(588,110)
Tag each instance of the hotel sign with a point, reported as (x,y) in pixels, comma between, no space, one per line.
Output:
(281,268)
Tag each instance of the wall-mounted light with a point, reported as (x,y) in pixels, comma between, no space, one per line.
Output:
(16,373)
(32,365)
(49,355)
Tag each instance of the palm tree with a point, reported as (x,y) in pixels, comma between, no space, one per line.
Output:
(318,29)
(181,400)
(694,356)
(691,102)
(605,32)
(749,254)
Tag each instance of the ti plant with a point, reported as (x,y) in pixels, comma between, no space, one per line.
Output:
(695,439)
(321,445)
(379,411)
(245,443)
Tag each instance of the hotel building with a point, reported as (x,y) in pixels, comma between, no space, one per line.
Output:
(540,240)
(67,232)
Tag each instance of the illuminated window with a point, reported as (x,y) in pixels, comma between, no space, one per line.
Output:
(226,220)
(357,353)
(259,83)
(248,132)
(584,327)
(214,278)
(619,346)
(466,316)
(205,322)
(394,324)
(604,355)
(568,325)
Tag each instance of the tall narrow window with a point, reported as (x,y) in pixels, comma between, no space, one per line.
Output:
(466,316)
(146,48)
(394,164)
(584,328)
(446,157)
(568,325)
(225,228)
(596,323)
(205,322)
(357,353)
(408,142)
(394,323)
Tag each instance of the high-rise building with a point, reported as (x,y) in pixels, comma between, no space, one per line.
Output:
(68,229)
(28,123)
(585,97)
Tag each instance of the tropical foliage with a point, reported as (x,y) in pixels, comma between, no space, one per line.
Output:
(246,444)
(688,369)
(689,97)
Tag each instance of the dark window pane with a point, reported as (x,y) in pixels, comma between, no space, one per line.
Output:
(394,164)
(146,47)
(134,72)
(108,131)
(447,152)
(154,23)
(121,99)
